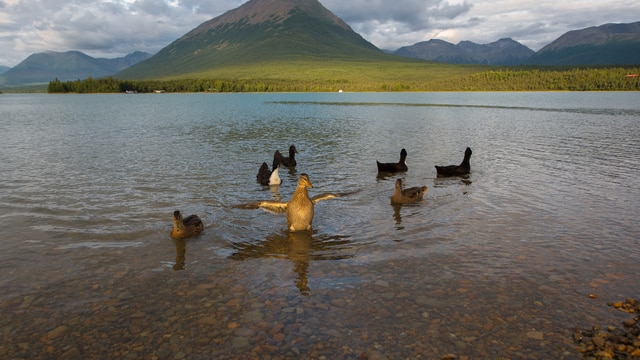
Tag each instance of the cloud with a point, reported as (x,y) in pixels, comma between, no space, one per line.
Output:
(113,28)
(98,27)
(391,24)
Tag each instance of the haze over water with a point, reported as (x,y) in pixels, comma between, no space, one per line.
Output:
(497,265)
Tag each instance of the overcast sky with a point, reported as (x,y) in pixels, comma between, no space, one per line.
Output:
(114,28)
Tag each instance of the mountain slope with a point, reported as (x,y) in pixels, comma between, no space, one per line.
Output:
(258,31)
(501,52)
(43,67)
(609,44)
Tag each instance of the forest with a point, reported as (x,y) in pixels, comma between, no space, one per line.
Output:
(498,79)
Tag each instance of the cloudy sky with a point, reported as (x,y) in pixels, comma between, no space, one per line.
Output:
(114,28)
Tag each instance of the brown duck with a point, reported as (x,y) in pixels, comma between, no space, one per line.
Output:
(409,195)
(186,227)
(299,209)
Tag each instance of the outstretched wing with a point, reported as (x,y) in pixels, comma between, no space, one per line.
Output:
(272,206)
(327,196)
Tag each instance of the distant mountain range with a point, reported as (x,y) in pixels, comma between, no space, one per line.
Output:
(501,52)
(266,31)
(609,44)
(599,45)
(71,65)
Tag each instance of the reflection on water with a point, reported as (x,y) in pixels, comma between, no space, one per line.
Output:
(396,214)
(496,265)
(181,253)
(300,247)
(580,110)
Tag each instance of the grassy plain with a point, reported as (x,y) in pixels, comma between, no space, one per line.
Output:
(321,75)
(332,75)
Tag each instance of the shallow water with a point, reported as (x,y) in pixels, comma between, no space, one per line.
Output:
(497,265)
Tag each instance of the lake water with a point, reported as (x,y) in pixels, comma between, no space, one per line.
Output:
(504,264)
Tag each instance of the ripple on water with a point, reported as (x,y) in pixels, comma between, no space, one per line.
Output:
(547,216)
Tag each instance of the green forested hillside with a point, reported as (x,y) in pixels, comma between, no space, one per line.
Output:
(298,38)
(374,76)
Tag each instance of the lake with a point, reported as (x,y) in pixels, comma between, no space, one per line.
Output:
(506,263)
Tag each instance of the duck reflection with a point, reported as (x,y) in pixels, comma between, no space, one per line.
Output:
(275,193)
(396,213)
(300,247)
(181,250)
(448,181)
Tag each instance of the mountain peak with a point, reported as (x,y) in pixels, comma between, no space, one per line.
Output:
(256,12)
(259,31)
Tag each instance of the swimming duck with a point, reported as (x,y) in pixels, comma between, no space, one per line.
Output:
(456,170)
(189,226)
(286,161)
(394,167)
(268,177)
(299,209)
(405,196)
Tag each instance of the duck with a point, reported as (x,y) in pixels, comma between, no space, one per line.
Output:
(400,166)
(186,227)
(268,177)
(456,170)
(286,161)
(409,195)
(300,209)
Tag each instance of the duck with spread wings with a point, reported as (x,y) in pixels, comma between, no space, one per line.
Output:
(300,209)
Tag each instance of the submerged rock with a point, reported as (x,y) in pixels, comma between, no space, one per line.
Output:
(614,343)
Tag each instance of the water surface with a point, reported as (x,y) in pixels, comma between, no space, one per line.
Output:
(497,265)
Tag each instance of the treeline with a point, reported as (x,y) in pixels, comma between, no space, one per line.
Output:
(110,85)
(547,79)
(509,79)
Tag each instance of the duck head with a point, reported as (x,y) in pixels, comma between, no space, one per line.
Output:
(303,180)
(399,184)
(403,156)
(178,226)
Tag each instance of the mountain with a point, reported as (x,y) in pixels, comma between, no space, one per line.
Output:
(436,50)
(258,31)
(609,44)
(4,69)
(501,52)
(43,67)
(117,64)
